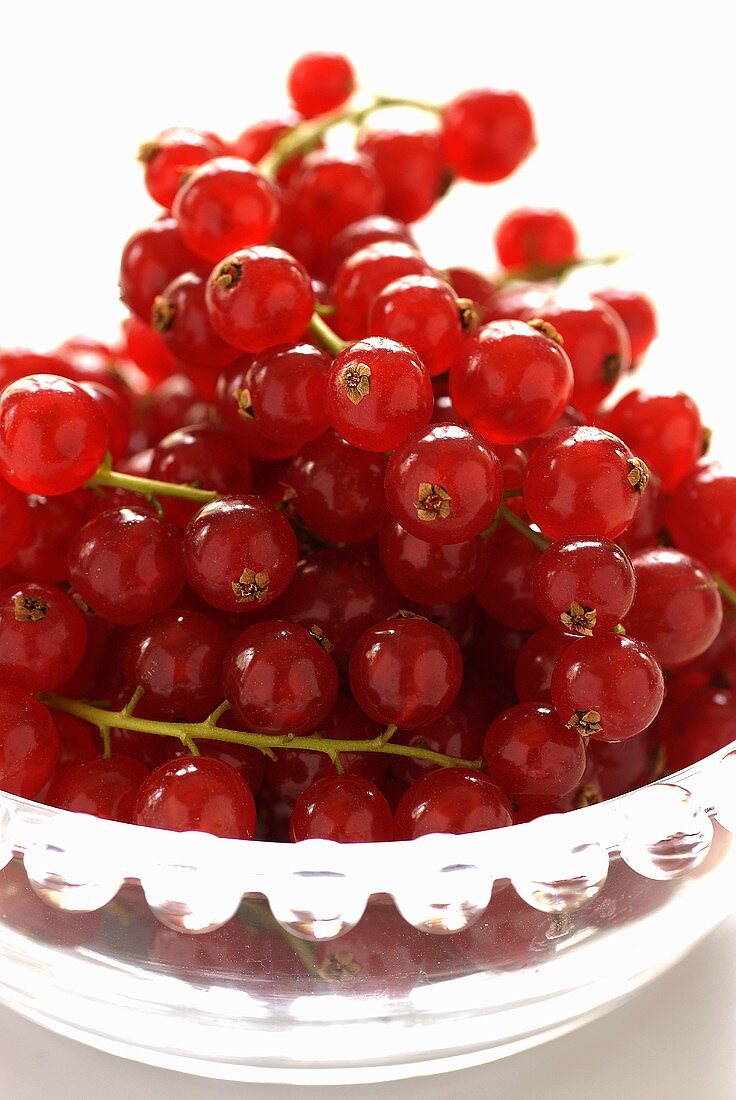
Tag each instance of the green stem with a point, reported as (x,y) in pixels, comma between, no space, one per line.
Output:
(727,591)
(307,135)
(557,271)
(325,337)
(192,732)
(147,487)
(524,529)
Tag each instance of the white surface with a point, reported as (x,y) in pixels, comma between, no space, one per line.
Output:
(675,1039)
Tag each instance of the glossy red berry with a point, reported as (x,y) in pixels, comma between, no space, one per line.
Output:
(666,430)
(345,808)
(235,408)
(584,585)
(103,788)
(486,134)
(279,679)
(536,238)
(533,755)
(126,564)
(202,456)
(378,393)
(444,485)
(15,522)
(200,794)
(330,192)
(422,312)
(609,688)
(405,671)
(505,590)
(42,636)
(224,205)
(338,489)
(78,740)
(511,381)
(677,611)
(116,416)
(637,312)
(287,393)
(180,317)
(366,231)
(239,553)
(623,766)
(536,663)
(701,517)
(451,800)
(291,773)
(172,154)
(583,481)
(152,258)
(52,435)
(410,167)
(177,658)
(709,724)
(363,275)
(648,524)
(431,573)
(319,82)
(259,297)
(29,742)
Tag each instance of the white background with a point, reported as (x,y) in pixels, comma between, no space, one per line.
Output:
(634,105)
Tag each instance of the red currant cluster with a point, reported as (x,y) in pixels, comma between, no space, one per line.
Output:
(334,530)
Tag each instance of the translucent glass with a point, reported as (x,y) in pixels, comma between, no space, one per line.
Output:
(228,958)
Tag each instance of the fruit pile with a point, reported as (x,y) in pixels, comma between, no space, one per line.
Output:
(335,544)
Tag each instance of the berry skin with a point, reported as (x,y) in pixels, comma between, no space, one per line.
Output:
(678,611)
(451,800)
(235,408)
(347,722)
(505,591)
(330,192)
(152,258)
(405,671)
(200,794)
(358,235)
(103,788)
(239,553)
(52,435)
(259,138)
(428,573)
(536,663)
(410,168)
(320,82)
(363,275)
(15,522)
(345,808)
(487,134)
(535,237)
(597,344)
(583,481)
(584,585)
(78,740)
(511,381)
(224,205)
(177,659)
(609,688)
(29,742)
(532,755)
(665,430)
(637,312)
(42,636)
(126,565)
(279,679)
(423,313)
(291,773)
(378,393)
(338,489)
(259,297)
(172,154)
(709,725)
(444,485)
(287,390)
(116,416)
(201,455)
(701,517)
(180,317)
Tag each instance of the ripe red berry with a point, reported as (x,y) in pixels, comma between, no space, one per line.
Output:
(259,297)
(202,456)
(609,688)
(487,134)
(319,82)
(116,416)
(345,808)
(126,564)
(152,258)
(409,165)
(532,755)
(330,192)
(583,481)
(78,740)
(15,522)
(279,679)
(677,611)
(287,393)
(405,671)
(29,742)
(239,553)
(701,517)
(451,800)
(358,235)
(511,381)
(42,636)
(235,408)
(623,766)
(584,585)
(363,275)
(535,238)
(505,590)
(180,317)
(444,485)
(103,788)
(637,312)
(52,435)
(200,794)
(429,573)
(224,205)
(665,430)
(423,313)
(378,393)
(536,663)
(172,154)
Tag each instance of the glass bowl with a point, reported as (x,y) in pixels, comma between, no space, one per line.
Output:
(320,963)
